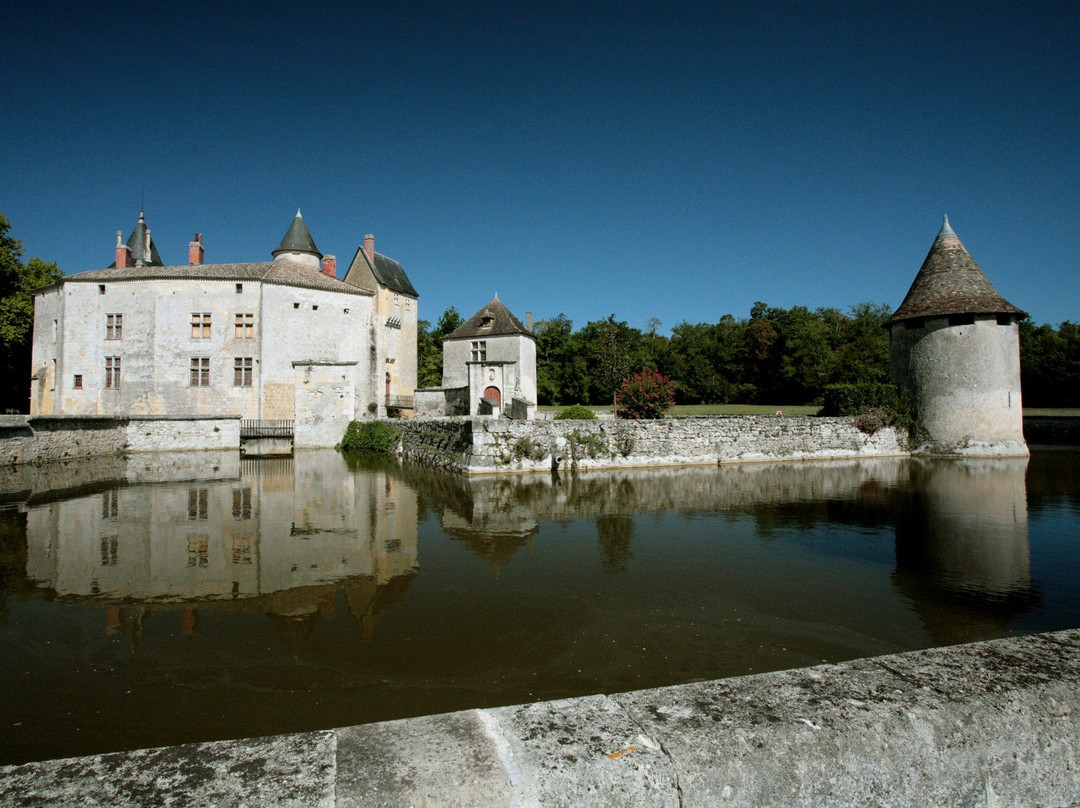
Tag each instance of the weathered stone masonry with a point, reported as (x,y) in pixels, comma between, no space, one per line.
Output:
(484,446)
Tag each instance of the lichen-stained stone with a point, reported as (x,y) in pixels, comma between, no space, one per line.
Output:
(283,770)
(972,725)
(441,760)
(581,752)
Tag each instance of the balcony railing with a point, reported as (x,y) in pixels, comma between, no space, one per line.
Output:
(399,402)
(273,428)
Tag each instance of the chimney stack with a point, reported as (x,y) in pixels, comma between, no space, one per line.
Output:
(329,265)
(146,257)
(528,321)
(123,251)
(369,248)
(195,251)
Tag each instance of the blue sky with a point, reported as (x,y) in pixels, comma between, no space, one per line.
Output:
(668,160)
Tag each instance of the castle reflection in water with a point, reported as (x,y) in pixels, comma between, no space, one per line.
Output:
(278,536)
(284,536)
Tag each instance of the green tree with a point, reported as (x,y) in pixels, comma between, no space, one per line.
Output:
(18,281)
(428,355)
(613,350)
(449,321)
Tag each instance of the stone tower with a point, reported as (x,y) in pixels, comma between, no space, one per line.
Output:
(954,346)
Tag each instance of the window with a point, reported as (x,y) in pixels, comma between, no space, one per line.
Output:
(112,372)
(241,550)
(296,305)
(346,311)
(241,503)
(244,327)
(961,319)
(110,504)
(241,371)
(487,322)
(200,371)
(198,503)
(239,288)
(101,289)
(109,550)
(78,381)
(479,351)
(198,551)
(200,325)
(314,306)
(114,326)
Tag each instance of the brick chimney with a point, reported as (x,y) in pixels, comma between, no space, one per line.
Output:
(195,251)
(369,248)
(123,251)
(329,265)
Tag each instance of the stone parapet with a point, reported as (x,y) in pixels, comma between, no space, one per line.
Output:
(992,723)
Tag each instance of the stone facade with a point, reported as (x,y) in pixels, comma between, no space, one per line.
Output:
(275,340)
(490,445)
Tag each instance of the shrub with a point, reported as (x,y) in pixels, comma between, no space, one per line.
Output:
(852,399)
(369,436)
(647,394)
(576,412)
(526,447)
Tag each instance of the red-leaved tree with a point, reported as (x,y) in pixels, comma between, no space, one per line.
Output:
(647,394)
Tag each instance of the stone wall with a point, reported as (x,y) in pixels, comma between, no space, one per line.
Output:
(41,439)
(489,445)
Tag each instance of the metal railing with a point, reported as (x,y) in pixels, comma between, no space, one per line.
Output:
(399,402)
(273,428)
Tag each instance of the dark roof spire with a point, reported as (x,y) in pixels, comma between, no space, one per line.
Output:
(950,282)
(491,321)
(297,239)
(137,243)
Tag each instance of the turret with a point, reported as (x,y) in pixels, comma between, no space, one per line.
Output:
(298,246)
(954,347)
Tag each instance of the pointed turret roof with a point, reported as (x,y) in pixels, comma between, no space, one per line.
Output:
(491,321)
(298,239)
(137,244)
(950,282)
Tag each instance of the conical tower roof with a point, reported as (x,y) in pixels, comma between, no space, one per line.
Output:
(492,320)
(298,239)
(950,282)
(137,244)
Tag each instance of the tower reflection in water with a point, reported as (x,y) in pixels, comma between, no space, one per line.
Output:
(962,551)
(283,539)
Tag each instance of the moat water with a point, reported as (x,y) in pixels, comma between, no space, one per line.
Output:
(165,599)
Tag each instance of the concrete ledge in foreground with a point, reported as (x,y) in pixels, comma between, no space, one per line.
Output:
(988,724)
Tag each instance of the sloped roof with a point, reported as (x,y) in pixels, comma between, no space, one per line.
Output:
(281,273)
(950,282)
(387,272)
(137,244)
(297,239)
(502,322)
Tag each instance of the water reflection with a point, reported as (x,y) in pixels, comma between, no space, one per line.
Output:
(281,538)
(238,598)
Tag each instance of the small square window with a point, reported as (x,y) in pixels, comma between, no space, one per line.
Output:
(101,289)
(78,381)
(314,307)
(239,288)
(346,311)
(296,305)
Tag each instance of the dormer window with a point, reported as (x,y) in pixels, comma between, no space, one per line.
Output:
(487,322)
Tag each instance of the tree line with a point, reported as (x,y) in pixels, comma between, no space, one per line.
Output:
(773,356)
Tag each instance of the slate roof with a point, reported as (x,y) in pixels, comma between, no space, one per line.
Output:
(502,323)
(297,238)
(137,244)
(281,273)
(950,282)
(387,271)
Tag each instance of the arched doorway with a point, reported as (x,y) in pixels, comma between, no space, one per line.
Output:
(493,395)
